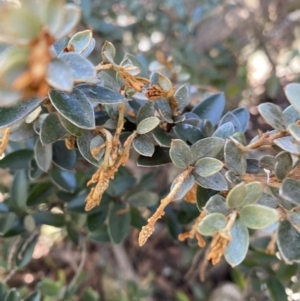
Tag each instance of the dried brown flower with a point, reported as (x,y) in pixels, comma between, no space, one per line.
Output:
(4,139)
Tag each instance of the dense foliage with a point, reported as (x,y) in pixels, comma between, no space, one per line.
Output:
(68,128)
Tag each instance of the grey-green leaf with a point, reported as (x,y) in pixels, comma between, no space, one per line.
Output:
(6,222)
(64,180)
(295,131)
(143,199)
(180,153)
(206,167)
(10,115)
(237,249)
(100,94)
(145,111)
(82,69)
(207,147)
(292,92)
(217,203)
(182,97)
(254,192)
(212,223)
(211,108)
(291,115)
(143,145)
(51,129)
(290,190)
(19,190)
(258,216)
(224,131)
(147,125)
(43,155)
(288,144)
(243,116)
(288,242)
(273,115)
(236,195)
(75,107)
(268,162)
(185,187)
(216,182)
(59,75)
(283,165)
(235,158)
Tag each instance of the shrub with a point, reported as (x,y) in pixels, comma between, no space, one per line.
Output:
(73,124)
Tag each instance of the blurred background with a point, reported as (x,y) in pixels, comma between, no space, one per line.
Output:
(247,48)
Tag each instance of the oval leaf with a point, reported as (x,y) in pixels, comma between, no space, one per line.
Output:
(236,195)
(75,107)
(290,190)
(234,158)
(292,92)
(208,166)
(273,115)
(147,125)
(43,155)
(216,182)
(143,145)
(258,216)
(180,153)
(237,249)
(212,223)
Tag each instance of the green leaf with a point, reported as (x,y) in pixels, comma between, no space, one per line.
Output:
(84,143)
(206,167)
(187,132)
(258,216)
(118,222)
(160,157)
(288,144)
(276,289)
(180,153)
(75,107)
(211,108)
(10,115)
(35,172)
(164,110)
(90,295)
(19,190)
(34,296)
(236,195)
(161,137)
(243,116)
(254,192)
(164,82)
(49,218)
(288,242)
(186,186)
(217,204)
(143,199)
(95,220)
(17,160)
(268,162)
(59,75)
(64,180)
(237,249)
(82,69)
(108,52)
(24,254)
(100,94)
(39,194)
(100,235)
(232,177)
(147,125)
(51,129)
(63,157)
(224,131)
(207,147)
(290,191)
(80,41)
(182,97)
(294,129)
(294,218)
(273,115)
(12,295)
(283,165)
(3,290)
(202,197)
(290,115)
(143,145)
(43,155)
(145,111)
(6,222)
(292,92)
(70,127)
(49,287)
(235,158)
(216,182)
(212,223)
(229,117)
